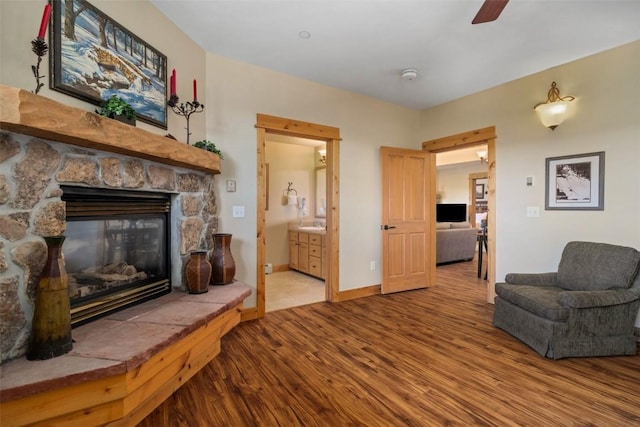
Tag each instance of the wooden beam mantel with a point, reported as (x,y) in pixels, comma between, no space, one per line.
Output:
(26,113)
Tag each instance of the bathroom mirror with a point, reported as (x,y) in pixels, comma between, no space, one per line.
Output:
(321,192)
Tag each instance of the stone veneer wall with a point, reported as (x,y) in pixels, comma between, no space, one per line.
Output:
(31,171)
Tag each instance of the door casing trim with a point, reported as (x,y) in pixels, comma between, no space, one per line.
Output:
(266,124)
(470,139)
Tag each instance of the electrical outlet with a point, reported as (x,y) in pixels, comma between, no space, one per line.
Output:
(238,211)
(533,211)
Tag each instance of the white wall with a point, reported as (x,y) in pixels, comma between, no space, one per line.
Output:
(453,181)
(236,92)
(287,163)
(19,24)
(605,117)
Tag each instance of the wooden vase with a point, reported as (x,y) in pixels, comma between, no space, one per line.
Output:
(224,267)
(198,272)
(51,325)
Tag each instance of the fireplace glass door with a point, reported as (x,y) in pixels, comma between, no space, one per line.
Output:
(116,252)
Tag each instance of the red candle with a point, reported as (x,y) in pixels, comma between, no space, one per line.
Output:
(45,21)
(173,82)
(195,90)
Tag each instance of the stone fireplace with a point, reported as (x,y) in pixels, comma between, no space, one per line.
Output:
(51,154)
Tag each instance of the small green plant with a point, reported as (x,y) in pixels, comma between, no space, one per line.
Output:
(209,146)
(116,106)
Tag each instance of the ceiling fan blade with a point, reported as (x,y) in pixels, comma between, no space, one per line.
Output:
(489,11)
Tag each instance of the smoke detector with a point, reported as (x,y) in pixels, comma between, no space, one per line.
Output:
(409,74)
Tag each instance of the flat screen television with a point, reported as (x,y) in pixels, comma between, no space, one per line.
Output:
(451,212)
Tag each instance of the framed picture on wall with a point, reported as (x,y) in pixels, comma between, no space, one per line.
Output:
(479,191)
(94,57)
(575,182)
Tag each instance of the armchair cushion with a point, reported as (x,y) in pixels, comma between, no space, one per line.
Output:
(589,266)
(537,279)
(543,301)
(589,299)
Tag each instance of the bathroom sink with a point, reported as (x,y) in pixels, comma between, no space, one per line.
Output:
(309,228)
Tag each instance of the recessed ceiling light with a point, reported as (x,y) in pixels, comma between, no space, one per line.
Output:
(304,34)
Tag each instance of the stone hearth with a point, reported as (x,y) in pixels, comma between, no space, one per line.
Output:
(43,145)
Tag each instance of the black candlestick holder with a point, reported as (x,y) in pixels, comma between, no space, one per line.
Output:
(40,48)
(185,109)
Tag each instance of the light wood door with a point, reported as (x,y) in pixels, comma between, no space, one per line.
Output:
(408,205)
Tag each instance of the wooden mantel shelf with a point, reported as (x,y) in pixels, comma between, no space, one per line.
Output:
(26,113)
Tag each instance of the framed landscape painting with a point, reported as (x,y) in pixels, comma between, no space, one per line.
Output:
(575,182)
(94,58)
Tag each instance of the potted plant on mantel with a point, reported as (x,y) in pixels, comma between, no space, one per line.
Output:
(118,109)
(209,146)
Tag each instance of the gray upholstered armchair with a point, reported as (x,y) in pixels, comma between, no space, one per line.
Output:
(587,308)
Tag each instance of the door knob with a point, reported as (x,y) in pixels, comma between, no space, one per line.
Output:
(387,227)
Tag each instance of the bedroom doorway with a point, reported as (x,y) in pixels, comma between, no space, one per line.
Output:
(485,136)
(266,124)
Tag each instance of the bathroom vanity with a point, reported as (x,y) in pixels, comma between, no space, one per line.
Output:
(307,252)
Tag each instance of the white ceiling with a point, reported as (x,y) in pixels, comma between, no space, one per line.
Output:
(362,45)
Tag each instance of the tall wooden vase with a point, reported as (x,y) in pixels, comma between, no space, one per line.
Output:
(51,326)
(198,272)
(224,267)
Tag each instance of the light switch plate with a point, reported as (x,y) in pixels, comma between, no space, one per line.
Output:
(529,181)
(238,211)
(231,185)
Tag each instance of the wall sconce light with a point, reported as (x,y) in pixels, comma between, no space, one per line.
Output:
(553,111)
(323,155)
(483,156)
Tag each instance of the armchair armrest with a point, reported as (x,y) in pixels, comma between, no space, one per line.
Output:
(533,279)
(588,299)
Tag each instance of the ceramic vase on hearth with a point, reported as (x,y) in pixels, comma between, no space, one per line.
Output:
(198,272)
(222,263)
(51,325)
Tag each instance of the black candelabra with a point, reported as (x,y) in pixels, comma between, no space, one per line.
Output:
(40,48)
(185,109)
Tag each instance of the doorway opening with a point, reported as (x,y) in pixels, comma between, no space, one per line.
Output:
(296,197)
(478,192)
(477,138)
(268,126)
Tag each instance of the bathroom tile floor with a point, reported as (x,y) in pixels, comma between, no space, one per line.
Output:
(290,289)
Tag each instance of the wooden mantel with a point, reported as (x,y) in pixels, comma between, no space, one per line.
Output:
(26,113)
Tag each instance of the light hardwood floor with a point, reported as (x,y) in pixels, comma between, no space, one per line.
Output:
(287,289)
(429,357)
